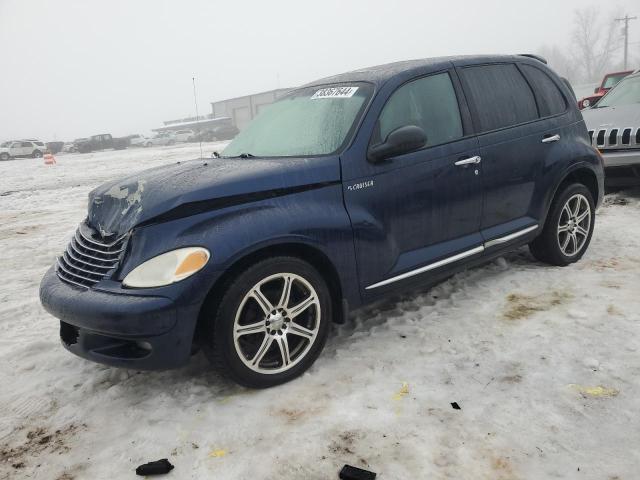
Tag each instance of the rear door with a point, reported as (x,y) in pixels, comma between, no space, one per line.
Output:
(513,142)
(420,211)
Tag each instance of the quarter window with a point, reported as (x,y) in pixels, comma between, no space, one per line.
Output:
(430,103)
(500,95)
(550,98)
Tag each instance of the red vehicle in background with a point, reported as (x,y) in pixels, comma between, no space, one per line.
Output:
(609,81)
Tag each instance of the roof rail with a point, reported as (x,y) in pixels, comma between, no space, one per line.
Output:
(535,57)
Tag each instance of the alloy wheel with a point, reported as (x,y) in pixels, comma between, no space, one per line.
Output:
(277,323)
(574,225)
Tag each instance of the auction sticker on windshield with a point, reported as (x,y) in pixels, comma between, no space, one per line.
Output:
(335,92)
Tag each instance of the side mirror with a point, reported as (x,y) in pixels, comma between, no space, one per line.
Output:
(401,140)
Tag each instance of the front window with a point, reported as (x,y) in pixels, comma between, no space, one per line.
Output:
(307,122)
(613,80)
(626,92)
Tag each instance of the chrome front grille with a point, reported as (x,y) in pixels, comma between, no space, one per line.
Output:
(89,258)
(615,138)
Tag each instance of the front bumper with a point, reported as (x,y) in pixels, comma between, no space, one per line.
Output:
(620,158)
(129,331)
(622,168)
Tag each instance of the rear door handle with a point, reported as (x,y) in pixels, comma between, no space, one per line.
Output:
(469,161)
(551,138)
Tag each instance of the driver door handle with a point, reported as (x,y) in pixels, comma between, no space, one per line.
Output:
(469,161)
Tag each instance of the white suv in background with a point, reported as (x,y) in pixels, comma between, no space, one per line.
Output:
(184,135)
(22,148)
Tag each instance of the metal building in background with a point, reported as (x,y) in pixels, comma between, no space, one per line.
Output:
(241,110)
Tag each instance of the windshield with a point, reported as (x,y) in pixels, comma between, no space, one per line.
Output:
(625,93)
(613,80)
(310,121)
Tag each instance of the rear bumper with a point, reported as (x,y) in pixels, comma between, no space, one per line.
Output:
(130,331)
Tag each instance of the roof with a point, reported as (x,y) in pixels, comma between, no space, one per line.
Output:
(380,74)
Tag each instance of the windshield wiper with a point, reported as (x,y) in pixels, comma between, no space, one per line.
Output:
(246,155)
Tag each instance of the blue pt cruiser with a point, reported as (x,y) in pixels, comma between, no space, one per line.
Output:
(339,193)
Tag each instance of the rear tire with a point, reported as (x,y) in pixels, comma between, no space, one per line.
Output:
(4,156)
(258,334)
(568,229)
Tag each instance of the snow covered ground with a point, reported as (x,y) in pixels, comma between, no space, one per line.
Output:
(542,361)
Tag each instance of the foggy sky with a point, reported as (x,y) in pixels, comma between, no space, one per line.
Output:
(73,68)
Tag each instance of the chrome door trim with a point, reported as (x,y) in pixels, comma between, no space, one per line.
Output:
(455,258)
(553,138)
(511,236)
(468,161)
(426,268)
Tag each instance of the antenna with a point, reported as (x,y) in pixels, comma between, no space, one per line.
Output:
(195,101)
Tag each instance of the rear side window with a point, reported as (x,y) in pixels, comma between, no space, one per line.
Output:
(500,95)
(429,103)
(550,98)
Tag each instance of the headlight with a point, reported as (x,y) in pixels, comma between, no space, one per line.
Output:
(586,102)
(168,268)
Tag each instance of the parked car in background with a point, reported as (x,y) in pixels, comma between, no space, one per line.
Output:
(164,138)
(609,81)
(69,147)
(137,140)
(614,128)
(183,135)
(55,147)
(104,141)
(341,193)
(221,132)
(22,148)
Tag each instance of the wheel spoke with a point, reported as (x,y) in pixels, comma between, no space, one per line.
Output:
(263,301)
(286,292)
(576,208)
(257,327)
(565,244)
(567,211)
(563,228)
(302,306)
(283,344)
(299,330)
(574,240)
(264,347)
(582,231)
(582,216)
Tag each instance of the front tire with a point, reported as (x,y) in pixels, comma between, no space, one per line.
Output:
(4,156)
(270,324)
(568,229)
(37,154)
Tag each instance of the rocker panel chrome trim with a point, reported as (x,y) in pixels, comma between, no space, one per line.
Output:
(455,258)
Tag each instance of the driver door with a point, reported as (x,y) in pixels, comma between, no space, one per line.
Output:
(417,211)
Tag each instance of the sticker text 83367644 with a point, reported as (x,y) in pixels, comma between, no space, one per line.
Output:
(335,92)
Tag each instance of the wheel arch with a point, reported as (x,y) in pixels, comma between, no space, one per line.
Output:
(313,255)
(578,174)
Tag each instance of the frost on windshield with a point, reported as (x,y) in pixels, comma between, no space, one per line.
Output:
(304,123)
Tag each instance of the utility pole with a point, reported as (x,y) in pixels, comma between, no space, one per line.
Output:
(625,32)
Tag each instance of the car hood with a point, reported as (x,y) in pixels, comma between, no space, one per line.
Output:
(188,188)
(624,116)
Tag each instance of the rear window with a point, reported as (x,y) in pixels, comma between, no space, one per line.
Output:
(550,98)
(500,96)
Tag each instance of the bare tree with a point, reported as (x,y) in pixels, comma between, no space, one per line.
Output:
(595,41)
(564,64)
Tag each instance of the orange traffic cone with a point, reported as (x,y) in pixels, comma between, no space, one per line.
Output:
(49,159)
